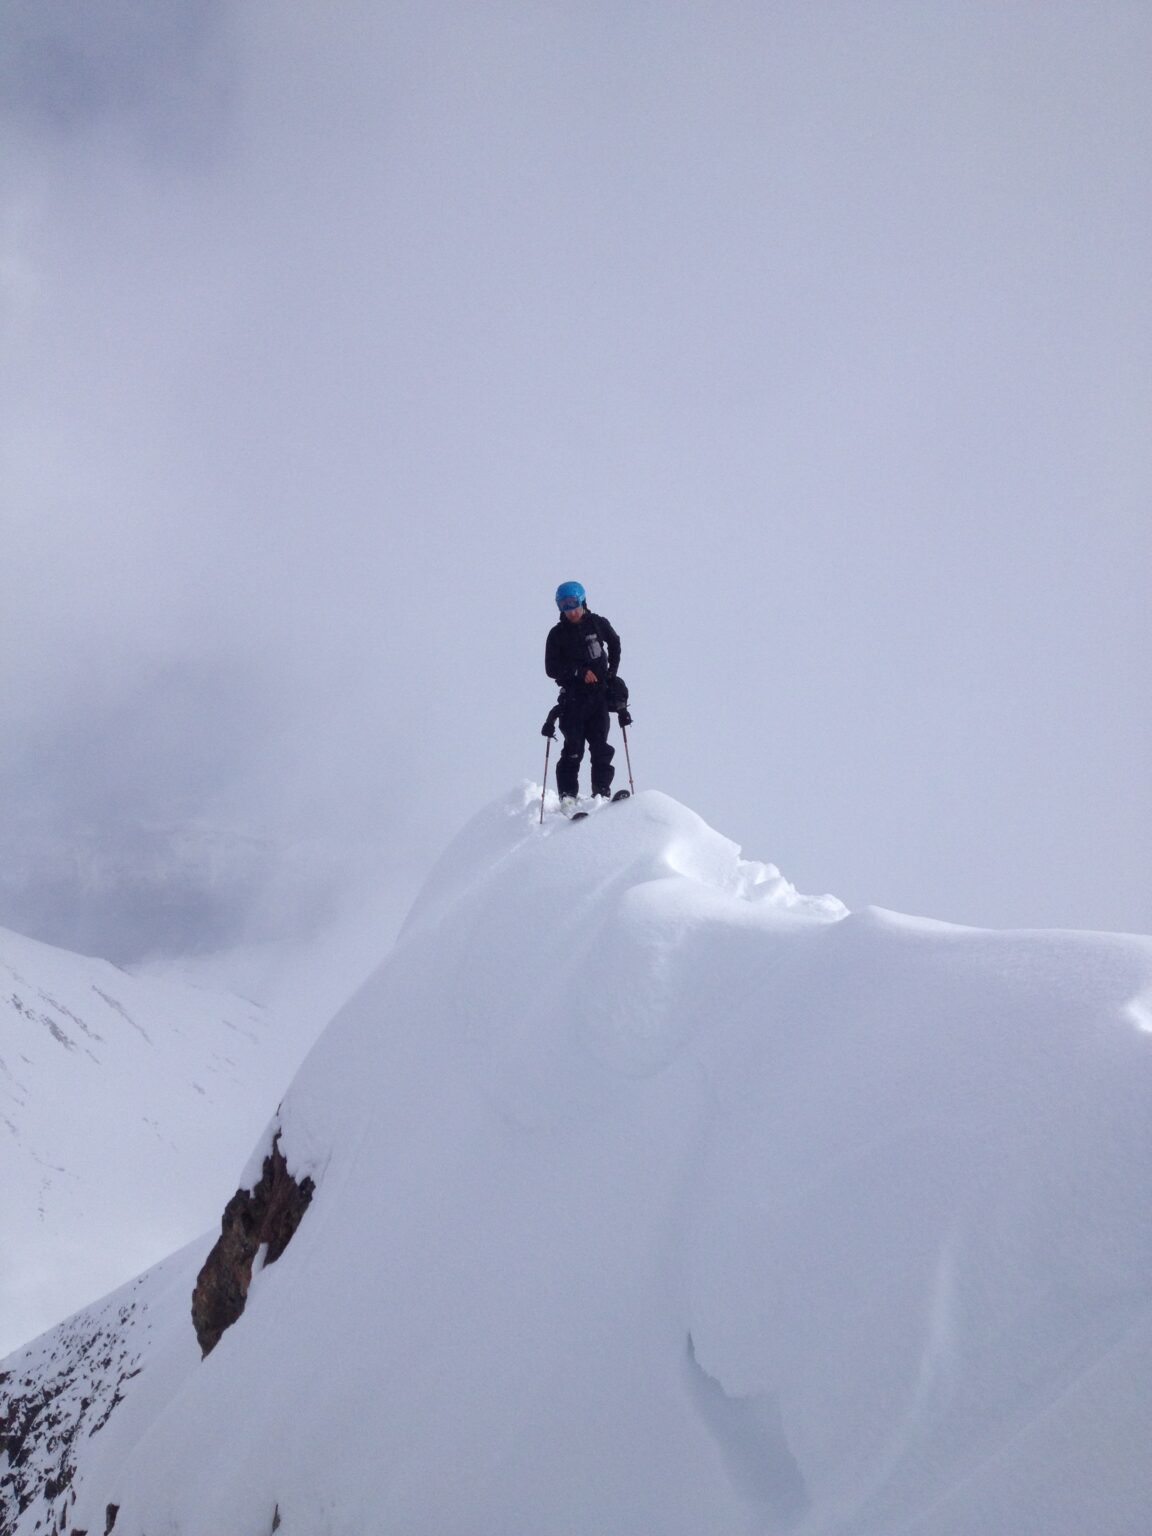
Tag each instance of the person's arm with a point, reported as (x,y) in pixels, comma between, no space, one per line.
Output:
(551,656)
(612,640)
(559,667)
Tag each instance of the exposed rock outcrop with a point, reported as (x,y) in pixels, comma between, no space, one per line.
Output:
(265,1215)
(58,1393)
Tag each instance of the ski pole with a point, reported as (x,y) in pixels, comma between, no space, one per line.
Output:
(627,757)
(544,791)
(548,729)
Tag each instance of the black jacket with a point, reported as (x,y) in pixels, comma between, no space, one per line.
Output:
(573,649)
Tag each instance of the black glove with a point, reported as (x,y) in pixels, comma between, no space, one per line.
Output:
(624,717)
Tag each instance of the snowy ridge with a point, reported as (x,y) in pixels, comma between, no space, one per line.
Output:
(654,1196)
(125,1104)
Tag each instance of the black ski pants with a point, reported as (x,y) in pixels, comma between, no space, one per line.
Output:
(584,718)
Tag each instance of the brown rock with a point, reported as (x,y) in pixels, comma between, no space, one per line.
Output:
(269,1213)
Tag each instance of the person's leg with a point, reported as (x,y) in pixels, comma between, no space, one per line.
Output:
(599,750)
(571,754)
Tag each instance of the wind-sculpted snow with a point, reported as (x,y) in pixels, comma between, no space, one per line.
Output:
(652,1196)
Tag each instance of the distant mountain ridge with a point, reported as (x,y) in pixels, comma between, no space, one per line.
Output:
(132,891)
(125,1102)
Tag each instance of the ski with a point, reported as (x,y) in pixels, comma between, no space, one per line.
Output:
(621,794)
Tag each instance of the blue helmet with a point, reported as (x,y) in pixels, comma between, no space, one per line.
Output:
(569,594)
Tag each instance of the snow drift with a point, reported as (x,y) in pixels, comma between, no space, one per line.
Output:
(652,1196)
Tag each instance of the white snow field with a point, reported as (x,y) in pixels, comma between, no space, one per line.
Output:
(126,1103)
(655,1199)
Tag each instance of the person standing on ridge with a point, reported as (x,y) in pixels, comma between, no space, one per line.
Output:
(582,654)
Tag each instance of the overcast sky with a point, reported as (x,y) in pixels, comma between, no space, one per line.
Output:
(813,338)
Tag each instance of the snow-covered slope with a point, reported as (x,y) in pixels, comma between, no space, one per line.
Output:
(126,1103)
(654,1197)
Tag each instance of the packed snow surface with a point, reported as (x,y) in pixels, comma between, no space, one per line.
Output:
(654,1197)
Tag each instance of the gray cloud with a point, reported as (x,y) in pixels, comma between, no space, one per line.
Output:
(812,342)
(160,73)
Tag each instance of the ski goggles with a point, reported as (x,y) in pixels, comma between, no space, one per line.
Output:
(570,604)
